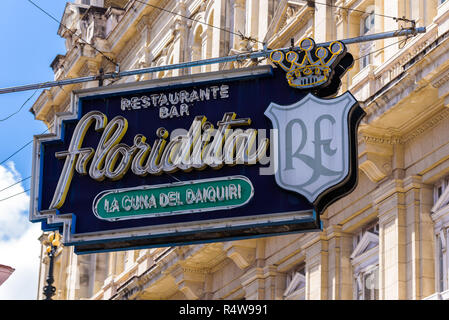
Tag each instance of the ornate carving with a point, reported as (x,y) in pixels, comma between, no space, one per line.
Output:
(426,125)
(243,253)
(190,281)
(376,155)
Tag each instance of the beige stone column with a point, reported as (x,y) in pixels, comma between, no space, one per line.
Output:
(72,274)
(206,48)
(340,270)
(324,27)
(406,239)
(239,18)
(341,20)
(218,36)
(317,269)
(252,19)
(390,8)
(253,281)
(101,269)
(389,199)
(109,287)
(179,40)
(84,276)
(263,21)
(419,239)
(144,28)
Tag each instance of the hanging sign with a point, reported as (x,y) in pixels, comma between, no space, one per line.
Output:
(206,157)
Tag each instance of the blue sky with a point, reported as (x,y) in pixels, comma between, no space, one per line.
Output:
(29,43)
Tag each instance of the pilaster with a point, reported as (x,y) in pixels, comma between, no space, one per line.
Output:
(339,264)
(324,23)
(317,270)
(420,246)
(390,202)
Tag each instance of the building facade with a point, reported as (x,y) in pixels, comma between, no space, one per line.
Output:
(388,239)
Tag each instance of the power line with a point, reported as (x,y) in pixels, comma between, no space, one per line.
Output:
(12,155)
(16,152)
(247,55)
(21,148)
(73,33)
(239,33)
(16,112)
(365,12)
(404,41)
(15,183)
(14,195)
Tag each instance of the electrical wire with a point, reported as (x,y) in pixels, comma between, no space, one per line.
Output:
(24,179)
(15,183)
(73,33)
(16,112)
(239,33)
(365,12)
(21,148)
(404,41)
(14,195)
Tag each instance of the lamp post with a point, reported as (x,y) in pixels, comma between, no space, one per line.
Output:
(49,289)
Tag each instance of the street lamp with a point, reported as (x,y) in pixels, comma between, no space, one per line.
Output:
(49,289)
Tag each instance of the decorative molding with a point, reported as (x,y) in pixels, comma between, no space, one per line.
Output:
(440,116)
(243,252)
(297,284)
(392,140)
(364,243)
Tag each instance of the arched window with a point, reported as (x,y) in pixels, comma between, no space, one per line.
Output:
(366,28)
(368,23)
(197,48)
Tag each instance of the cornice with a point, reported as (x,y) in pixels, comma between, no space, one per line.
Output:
(429,124)
(380,139)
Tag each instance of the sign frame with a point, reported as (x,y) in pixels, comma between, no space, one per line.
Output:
(179,233)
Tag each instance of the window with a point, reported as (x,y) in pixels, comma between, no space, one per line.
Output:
(441,253)
(296,283)
(368,285)
(85,2)
(439,188)
(368,23)
(371,227)
(440,211)
(365,262)
(366,27)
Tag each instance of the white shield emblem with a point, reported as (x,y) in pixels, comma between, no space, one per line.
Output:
(313,143)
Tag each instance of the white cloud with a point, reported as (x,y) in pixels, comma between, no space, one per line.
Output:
(19,245)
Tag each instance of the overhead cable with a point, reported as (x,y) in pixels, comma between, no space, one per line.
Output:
(365,12)
(21,148)
(239,33)
(14,195)
(12,185)
(16,112)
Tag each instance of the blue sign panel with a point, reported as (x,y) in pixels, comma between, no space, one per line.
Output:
(187,160)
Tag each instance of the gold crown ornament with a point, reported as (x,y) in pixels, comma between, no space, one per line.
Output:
(309,67)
